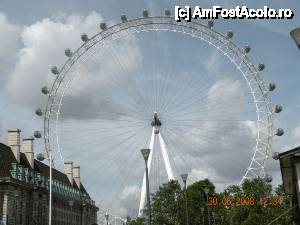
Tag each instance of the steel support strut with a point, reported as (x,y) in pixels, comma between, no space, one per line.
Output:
(143,192)
(166,158)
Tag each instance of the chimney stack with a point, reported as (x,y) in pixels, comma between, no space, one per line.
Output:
(68,168)
(13,141)
(76,174)
(28,150)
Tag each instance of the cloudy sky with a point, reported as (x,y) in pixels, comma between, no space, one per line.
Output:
(108,86)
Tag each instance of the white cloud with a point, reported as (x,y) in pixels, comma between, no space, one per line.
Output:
(10,43)
(44,44)
(197,174)
(296,132)
(225,158)
(219,146)
(295,139)
(128,196)
(213,62)
(222,92)
(129,192)
(93,92)
(1,131)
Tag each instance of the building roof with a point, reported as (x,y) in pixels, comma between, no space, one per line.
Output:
(290,152)
(7,158)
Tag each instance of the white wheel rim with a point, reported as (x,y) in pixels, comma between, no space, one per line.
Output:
(236,55)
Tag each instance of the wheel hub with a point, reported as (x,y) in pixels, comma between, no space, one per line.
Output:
(156,123)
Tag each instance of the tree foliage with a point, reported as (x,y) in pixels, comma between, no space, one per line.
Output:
(137,221)
(167,204)
(252,203)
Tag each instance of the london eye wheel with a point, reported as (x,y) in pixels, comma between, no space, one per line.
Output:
(182,89)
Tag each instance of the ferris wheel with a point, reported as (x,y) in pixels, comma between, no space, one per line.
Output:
(181,89)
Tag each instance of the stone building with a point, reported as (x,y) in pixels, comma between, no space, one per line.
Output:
(24,189)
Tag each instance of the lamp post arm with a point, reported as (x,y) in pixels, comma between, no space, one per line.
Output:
(148,193)
(50,187)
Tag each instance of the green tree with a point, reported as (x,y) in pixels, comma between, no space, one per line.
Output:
(274,211)
(197,201)
(252,203)
(265,207)
(137,221)
(168,205)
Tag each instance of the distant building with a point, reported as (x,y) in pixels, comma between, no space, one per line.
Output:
(24,189)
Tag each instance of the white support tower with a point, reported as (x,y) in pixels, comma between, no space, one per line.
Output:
(166,158)
(156,123)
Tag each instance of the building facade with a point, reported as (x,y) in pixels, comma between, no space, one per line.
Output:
(24,189)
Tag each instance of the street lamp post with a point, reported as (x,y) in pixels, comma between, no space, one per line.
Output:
(206,191)
(41,157)
(184,179)
(83,204)
(214,218)
(71,203)
(295,34)
(16,195)
(146,152)
(202,213)
(50,188)
(106,218)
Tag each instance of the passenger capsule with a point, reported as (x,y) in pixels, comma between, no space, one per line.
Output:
(275,155)
(84,38)
(261,67)
(168,12)
(45,90)
(247,49)
(40,157)
(210,23)
(268,178)
(229,34)
(103,26)
(124,18)
(279,132)
(272,87)
(278,109)
(39,112)
(68,52)
(145,13)
(37,134)
(54,70)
